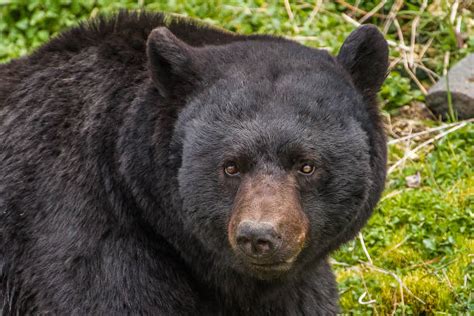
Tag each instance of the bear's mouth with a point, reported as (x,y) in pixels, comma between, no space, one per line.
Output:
(270,269)
(275,266)
(267,271)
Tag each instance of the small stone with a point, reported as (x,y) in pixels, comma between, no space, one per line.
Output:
(461,86)
(413,181)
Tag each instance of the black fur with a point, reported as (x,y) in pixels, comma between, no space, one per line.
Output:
(111,147)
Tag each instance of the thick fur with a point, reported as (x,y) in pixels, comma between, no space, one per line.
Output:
(111,200)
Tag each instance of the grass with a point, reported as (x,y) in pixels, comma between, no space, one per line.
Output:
(420,247)
(422,234)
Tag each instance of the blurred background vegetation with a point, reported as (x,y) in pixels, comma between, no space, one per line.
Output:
(416,254)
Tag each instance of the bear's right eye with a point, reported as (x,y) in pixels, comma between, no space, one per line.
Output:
(307,169)
(231,169)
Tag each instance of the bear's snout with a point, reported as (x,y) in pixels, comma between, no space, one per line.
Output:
(257,240)
(268,228)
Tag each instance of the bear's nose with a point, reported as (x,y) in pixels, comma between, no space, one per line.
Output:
(257,240)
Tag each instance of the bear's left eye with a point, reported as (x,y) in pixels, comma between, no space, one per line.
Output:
(231,169)
(306,169)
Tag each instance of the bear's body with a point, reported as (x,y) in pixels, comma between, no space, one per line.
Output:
(112,199)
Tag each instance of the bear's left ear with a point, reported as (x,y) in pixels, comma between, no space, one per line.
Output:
(171,63)
(364,55)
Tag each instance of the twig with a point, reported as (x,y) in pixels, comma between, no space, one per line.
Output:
(358,10)
(454,11)
(392,14)
(446,63)
(313,13)
(288,10)
(364,248)
(394,62)
(350,20)
(415,79)
(428,131)
(402,47)
(425,47)
(414,25)
(391,195)
(372,12)
(333,261)
(408,143)
(304,38)
(394,306)
(362,302)
(397,245)
(291,15)
(396,277)
(423,264)
(448,280)
(424,144)
(246,10)
(431,74)
(457,32)
(446,265)
(405,61)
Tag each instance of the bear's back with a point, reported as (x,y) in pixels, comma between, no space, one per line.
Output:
(121,38)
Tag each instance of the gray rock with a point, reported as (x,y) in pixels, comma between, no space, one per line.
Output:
(461,86)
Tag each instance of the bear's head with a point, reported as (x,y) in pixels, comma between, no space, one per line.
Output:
(280,148)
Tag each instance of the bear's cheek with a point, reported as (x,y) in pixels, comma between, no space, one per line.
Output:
(333,206)
(267,228)
(205,206)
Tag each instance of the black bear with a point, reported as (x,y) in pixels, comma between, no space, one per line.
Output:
(158,166)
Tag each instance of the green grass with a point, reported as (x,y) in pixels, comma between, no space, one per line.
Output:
(422,236)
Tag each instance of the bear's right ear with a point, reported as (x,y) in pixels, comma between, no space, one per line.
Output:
(170,62)
(364,55)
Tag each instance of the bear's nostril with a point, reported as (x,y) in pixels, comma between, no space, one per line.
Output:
(242,239)
(257,239)
(263,246)
(244,242)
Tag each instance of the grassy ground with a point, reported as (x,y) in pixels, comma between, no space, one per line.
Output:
(416,254)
